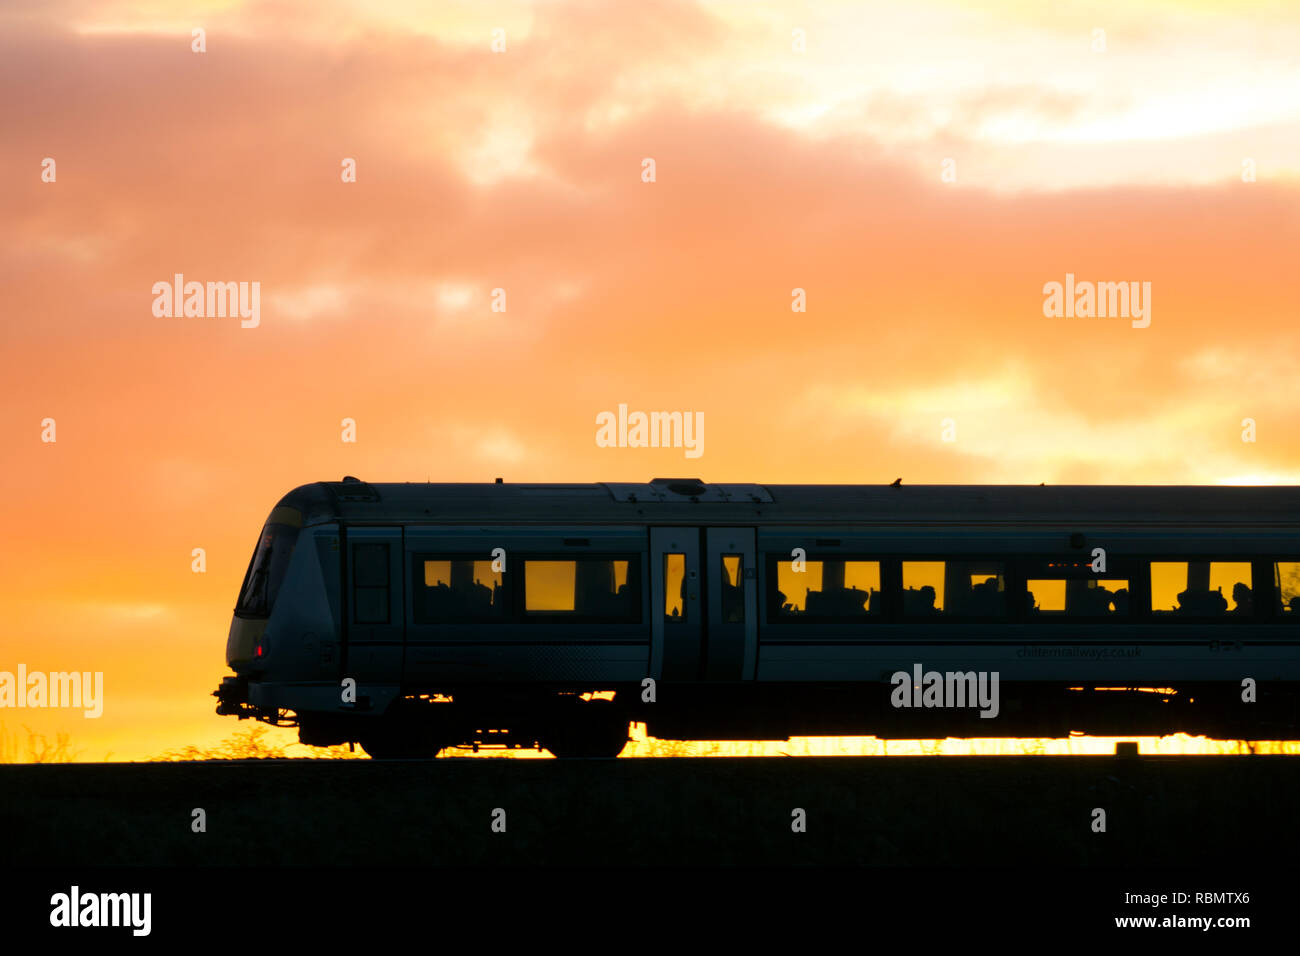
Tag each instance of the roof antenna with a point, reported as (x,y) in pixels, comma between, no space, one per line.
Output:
(897,483)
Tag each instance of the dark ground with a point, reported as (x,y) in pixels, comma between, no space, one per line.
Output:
(911,811)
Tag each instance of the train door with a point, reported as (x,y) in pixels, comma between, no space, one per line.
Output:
(376,620)
(675,608)
(732,584)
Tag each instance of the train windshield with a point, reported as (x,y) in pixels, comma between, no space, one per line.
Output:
(266,570)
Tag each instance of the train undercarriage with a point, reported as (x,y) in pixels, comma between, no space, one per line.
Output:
(594,723)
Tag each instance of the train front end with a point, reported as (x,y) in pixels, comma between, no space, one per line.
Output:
(249,643)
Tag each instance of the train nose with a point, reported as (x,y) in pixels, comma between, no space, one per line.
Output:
(241,645)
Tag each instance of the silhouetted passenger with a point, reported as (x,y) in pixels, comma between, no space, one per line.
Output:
(1096,601)
(919,601)
(478,598)
(1242,598)
(1120,600)
(984,599)
(841,602)
(1202,603)
(439,602)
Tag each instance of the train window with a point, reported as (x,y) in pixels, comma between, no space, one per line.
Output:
(1286,577)
(922,587)
(733,588)
(1200,588)
(457,589)
(827,588)
(966,588)
(587,587)
(675,587)
(370,583)
(1078,597)
(266,571)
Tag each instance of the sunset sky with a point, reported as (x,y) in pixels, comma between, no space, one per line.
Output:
(776,169)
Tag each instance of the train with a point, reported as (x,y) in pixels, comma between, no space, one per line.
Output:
(414,617)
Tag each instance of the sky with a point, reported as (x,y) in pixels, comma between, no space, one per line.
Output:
(920,171)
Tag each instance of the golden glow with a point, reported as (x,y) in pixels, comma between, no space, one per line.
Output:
(1169,579)
(552,585)
(642,746)
(674,581)
(1047,595)
(922,574)
(549,585)
(439,572)
(795,585)
(521,170)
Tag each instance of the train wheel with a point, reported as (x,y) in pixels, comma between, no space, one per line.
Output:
(595,728)
(398,743)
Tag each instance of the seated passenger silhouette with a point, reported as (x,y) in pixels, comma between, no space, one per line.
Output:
(1095,602)
(853,601)
(1294,604)
(1202,603)
(919,600)
(1120,600)
(478,598)
(1242,598)
(927,596)
(619,604)
(984,599)
(842,602)
(438,601)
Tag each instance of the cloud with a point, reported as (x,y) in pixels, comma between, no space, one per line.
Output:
(487,443)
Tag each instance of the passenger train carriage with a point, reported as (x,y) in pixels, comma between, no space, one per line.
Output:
(413,617)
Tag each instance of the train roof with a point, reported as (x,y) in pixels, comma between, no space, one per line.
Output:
(691,501)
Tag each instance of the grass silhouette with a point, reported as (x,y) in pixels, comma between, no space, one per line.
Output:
(38,746)
(249,743)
